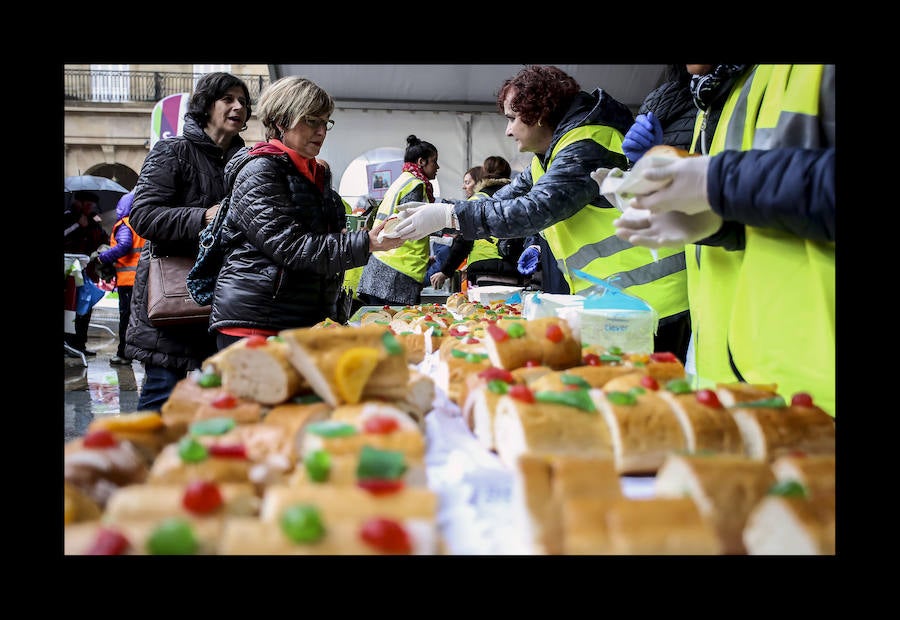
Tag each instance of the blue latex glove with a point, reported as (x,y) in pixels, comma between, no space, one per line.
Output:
(528,260)
(645,133)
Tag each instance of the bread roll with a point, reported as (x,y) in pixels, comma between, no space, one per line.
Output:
(782,525)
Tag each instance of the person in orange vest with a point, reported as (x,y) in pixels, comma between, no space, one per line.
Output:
(122,255)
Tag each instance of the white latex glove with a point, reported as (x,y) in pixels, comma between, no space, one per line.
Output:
(438,279)
(599,175)
(686,192)
(422,219)
(665,230)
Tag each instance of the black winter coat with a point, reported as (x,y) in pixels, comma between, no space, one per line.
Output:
(287,254)
(180,179)
(672,104)
(524,207)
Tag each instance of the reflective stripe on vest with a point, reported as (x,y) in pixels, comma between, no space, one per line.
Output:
(126,265)
(790,338)
(411,258)
(587,241)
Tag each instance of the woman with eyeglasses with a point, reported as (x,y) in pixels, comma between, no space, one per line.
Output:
(286,252)
(396,277)
(176,196)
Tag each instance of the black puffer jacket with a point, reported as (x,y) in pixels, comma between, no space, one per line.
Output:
(672,104)
(287,256)
(180,179)
(523,207)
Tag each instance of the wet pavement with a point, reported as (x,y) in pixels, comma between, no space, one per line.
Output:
(100,388)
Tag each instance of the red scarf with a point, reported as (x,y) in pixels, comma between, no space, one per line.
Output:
(416,170)
(310,168)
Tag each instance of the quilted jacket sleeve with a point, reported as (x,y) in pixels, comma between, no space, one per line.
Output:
(523,208)
(158,214)
(788,189)
(301,237)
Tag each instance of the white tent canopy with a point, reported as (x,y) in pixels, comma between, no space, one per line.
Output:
(451,106)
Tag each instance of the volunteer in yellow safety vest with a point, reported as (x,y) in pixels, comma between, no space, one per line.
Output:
(395,277)
(771,169)
(572,133)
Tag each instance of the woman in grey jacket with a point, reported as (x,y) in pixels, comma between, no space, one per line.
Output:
(177,194)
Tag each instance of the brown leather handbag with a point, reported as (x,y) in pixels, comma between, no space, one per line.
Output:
(168,300)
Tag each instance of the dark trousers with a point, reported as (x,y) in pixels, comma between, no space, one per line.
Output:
(159,382)
(78,340)
(124,314)
(371,300)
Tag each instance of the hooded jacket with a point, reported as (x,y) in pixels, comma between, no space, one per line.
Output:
(523,207)
(181,177)
(125,244)
(286,254)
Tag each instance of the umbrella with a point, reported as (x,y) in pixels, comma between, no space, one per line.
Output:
(108,191)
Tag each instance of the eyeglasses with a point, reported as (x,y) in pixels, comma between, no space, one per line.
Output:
(316,123)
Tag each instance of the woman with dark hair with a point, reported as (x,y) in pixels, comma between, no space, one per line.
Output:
(395,277)
(470,178)
(286,252)
(176,196)
(571,133)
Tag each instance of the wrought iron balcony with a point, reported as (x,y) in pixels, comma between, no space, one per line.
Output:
(139,86)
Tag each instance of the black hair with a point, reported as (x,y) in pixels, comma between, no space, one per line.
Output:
(416,148)
(210,88)
(677,73)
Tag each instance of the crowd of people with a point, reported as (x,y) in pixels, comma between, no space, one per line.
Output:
(742,276)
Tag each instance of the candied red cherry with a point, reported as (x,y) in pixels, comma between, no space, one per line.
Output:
(225,401)
(380,486)
(386,535)
(521,392)
(233,451)
(101,438)
(554,333)
(492,372)
(649,382)
(108,542)
(591,359)
(801,399)
(664,356)
(380,425)
(255,341)
(201,497)
(497,333)
(532,363)
(708,398)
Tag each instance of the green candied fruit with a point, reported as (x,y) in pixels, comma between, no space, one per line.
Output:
(381,464)
(173,536)
(209,380)
(391,344)
(306,399)
(437,332)
(474,358)
(788,488)
(331,428)
(610,359)
(498,386)
(516,330)
(580,399)
(775,402)
(191,451)
(458,353)
(621,398)
(302,523)
(639,364)
(575,380)
(212,426)
(637,390)
(615,351)
(679,386)
(318,465)
(275,339)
